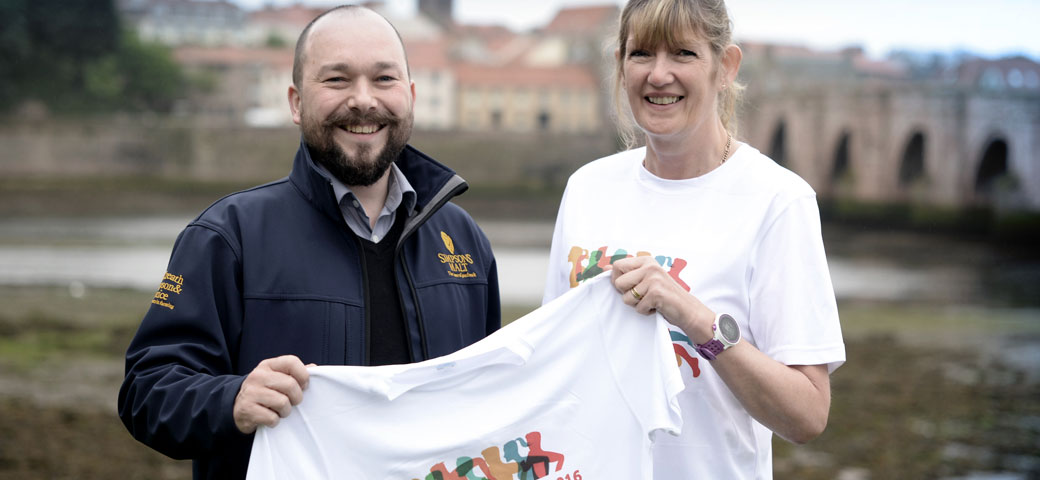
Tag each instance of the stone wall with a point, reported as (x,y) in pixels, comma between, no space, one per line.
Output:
(182,149)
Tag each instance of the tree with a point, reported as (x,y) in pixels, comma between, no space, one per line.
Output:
(74,57)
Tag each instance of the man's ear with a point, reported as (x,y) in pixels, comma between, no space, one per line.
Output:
(294,104)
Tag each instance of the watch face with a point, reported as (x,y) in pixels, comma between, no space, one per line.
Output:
(728,327)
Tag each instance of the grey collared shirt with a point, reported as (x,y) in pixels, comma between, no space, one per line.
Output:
(398,191)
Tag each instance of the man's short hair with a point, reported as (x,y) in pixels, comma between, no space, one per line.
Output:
(300,52)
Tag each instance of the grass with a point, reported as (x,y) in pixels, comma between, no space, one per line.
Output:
(918,397)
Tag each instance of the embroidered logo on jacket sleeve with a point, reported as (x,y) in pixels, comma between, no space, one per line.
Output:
(171,284)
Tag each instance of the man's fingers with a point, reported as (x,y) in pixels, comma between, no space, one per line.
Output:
(279,383)
(274,401)
(290,365)
(269,392)
(250,414)
(286,386)
(260,406)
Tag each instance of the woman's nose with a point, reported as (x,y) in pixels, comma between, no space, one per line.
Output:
(660,71)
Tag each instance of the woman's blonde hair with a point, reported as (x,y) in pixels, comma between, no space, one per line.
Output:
(653,22)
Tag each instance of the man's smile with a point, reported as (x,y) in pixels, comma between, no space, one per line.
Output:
(363,129)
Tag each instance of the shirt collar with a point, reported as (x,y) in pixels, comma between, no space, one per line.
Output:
(398,189)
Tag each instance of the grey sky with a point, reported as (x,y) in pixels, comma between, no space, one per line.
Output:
(991,28)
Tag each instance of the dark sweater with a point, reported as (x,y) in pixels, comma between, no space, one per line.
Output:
(386,338)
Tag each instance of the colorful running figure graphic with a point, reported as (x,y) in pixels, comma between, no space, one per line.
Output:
(534,450)
(512,453)
(463,471)
(498,468)
(535,464)
(532,466)
(598,261)
(678,339)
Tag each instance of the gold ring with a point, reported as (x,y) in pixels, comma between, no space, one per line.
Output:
(636,294)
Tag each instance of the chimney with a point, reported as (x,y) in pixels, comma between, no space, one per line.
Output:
(437,10)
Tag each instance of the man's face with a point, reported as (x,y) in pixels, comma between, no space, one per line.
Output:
(354,102)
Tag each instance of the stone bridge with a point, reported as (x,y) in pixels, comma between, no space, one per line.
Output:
(894,141)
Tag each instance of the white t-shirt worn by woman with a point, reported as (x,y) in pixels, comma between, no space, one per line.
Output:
(745,239)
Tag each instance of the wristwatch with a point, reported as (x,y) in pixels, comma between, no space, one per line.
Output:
(727,334)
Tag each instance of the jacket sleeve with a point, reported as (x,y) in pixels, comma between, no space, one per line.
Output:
(180,384)
(494,302)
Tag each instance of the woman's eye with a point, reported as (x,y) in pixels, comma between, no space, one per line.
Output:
(687,53)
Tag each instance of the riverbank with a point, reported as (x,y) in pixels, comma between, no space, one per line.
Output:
(122,196)
(928,392)
(942,331)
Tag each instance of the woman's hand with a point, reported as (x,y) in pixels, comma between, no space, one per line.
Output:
(648,287)
(793,401)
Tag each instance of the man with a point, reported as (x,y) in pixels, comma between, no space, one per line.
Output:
(356,258)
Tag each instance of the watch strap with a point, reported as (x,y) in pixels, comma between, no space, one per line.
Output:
(710,349)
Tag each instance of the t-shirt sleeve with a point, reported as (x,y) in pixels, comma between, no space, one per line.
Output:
(794,314)
(556,281)
(289,450)
(642,361)
(304,445)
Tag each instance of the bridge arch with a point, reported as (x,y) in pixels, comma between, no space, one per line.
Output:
(840,179)
(778,143)
(994,177)
(841,166)
(912,172)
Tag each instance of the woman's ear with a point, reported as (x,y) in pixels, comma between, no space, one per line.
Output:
(731,59)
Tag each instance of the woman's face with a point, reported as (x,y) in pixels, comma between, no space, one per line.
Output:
(672,89)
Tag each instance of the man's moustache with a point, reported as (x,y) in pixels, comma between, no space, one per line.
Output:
(341,119)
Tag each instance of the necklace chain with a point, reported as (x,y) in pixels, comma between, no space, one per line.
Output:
(725,153)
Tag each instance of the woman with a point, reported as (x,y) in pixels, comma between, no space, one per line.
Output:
(714,235)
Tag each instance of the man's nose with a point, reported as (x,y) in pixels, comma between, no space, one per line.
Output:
(361,97)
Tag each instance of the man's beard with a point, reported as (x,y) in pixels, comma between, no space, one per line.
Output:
(360,170)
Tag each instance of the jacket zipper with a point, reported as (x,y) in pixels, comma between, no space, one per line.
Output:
(367,344)
(436,205)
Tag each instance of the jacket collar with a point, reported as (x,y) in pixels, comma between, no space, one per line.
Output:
(431,180)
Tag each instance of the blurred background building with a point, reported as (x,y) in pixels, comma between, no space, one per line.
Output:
(910,128)
(120,120)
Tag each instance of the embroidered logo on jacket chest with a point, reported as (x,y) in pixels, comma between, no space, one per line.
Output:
(458,264)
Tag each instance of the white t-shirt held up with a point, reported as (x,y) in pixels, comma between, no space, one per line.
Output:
(576,390)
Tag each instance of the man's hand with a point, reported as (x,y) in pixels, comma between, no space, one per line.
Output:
(269,392)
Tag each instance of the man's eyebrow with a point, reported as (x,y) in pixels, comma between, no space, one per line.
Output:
(334,67)
(343,67)
(387,66)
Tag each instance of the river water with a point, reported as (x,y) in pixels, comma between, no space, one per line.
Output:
(865,265)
